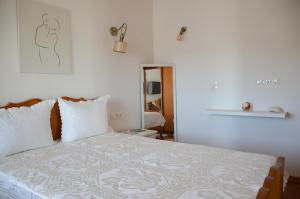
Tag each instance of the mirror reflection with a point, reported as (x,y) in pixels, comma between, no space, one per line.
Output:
(158,106)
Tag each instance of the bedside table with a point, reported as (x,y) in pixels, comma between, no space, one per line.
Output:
(142,132)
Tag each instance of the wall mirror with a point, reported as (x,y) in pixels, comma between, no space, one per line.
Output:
(158,99)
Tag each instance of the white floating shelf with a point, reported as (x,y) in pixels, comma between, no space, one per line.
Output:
(247,113)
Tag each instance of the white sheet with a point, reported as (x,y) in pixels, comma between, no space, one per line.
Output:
(115,165)
(153,119)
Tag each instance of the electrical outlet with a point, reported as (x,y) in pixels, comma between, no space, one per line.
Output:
(116,116)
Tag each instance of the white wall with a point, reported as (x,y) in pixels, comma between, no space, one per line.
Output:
(91,50)
(235,43)
(153,75)
(124,81)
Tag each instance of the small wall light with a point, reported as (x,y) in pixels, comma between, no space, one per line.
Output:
(119,46)
(180,35)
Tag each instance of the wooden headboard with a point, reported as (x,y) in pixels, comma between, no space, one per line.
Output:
(55,119)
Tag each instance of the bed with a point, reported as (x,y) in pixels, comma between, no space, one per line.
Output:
(114,165)
(153,119)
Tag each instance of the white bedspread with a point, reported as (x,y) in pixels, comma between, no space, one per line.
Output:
(116,165)
(153,119)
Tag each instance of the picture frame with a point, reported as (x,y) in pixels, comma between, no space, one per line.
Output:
(45,40)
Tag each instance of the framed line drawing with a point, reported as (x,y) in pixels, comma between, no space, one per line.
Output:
(45,40)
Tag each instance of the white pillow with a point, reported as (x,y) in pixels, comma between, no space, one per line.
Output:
(83,119)
(25,128)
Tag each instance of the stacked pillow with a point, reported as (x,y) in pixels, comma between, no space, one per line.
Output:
(83,119)
(25,128)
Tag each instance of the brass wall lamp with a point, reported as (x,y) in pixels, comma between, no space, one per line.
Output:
(120,46)
(180,35)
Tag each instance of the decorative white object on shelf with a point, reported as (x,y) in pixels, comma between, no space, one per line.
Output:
(276,109)
(266,114)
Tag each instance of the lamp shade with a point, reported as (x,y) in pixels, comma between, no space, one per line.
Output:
(120,46)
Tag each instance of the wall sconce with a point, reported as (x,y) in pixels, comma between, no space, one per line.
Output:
(119,46)
(180,35)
